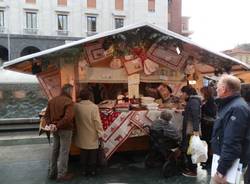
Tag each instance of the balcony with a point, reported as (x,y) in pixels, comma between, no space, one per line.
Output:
(185,26)
(2,29)
(62,32)
(186,32)
(91,33)
(30,30)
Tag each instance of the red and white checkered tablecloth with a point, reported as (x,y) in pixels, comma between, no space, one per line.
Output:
(118,126)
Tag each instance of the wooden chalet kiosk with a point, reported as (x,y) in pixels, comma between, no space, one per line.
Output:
(134,58)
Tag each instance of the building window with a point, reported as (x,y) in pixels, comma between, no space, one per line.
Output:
(91,24)
(91,3)
(1,18)
(151,5)
(31,23)
(245,58)
(62,24)
(119,22)
(31,20)
(119,4)
(169,17)
(31,1)
(62,2)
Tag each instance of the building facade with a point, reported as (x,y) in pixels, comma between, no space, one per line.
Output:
(28,26)
(240,54)
(176,22)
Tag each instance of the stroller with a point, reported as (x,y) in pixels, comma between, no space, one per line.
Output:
(164,152)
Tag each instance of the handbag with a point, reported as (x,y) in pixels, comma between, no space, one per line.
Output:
(101,158)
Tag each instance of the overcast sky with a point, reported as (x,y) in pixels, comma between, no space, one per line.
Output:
(218,24)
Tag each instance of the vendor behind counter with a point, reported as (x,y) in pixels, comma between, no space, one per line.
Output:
(103,93)
(162,93)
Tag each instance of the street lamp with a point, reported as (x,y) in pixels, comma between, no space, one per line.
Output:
(8,32)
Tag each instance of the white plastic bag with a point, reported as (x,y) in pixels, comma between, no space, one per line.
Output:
(198,150)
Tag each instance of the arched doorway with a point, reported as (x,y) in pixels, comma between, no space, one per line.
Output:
(3,54)
(29,50)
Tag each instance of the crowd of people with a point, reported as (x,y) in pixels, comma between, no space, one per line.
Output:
(222,120)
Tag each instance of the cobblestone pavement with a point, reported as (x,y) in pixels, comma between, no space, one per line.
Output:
(27,164)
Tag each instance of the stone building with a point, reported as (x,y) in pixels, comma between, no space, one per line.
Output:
(240,54)
(29,26)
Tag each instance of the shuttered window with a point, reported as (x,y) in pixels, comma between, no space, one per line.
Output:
(31,1)
(91,24)
(91,3)
(62,2)
(1,18)
(119,22)
(151,5)
(119,4)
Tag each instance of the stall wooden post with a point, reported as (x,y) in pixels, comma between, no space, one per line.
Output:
(68,76)
(133,85)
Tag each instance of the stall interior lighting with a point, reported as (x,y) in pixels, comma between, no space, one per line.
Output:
(192,82)
(178,51)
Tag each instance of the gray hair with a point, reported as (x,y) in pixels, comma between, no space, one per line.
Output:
(231,82)
(66,89)
(166,115)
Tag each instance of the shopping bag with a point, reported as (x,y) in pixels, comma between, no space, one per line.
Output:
(234,173)
(198,150)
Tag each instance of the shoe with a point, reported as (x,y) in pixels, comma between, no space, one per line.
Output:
(93,173)
(205,166)
(86,174)
(189,173)
(66,177)
(52,177)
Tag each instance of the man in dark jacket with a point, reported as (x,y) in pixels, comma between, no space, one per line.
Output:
(245,93)
(231,132)
(191,125)
(60,114)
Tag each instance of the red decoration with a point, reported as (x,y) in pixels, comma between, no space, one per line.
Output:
(133,66)
(140,52)
(108,118)
(167,57)
(95,52)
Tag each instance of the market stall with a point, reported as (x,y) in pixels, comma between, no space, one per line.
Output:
(129,70)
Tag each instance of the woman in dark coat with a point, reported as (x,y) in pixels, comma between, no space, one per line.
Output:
(191,125)
(208,115)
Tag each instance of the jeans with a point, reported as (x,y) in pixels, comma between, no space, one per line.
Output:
(60,153)
(247,176)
